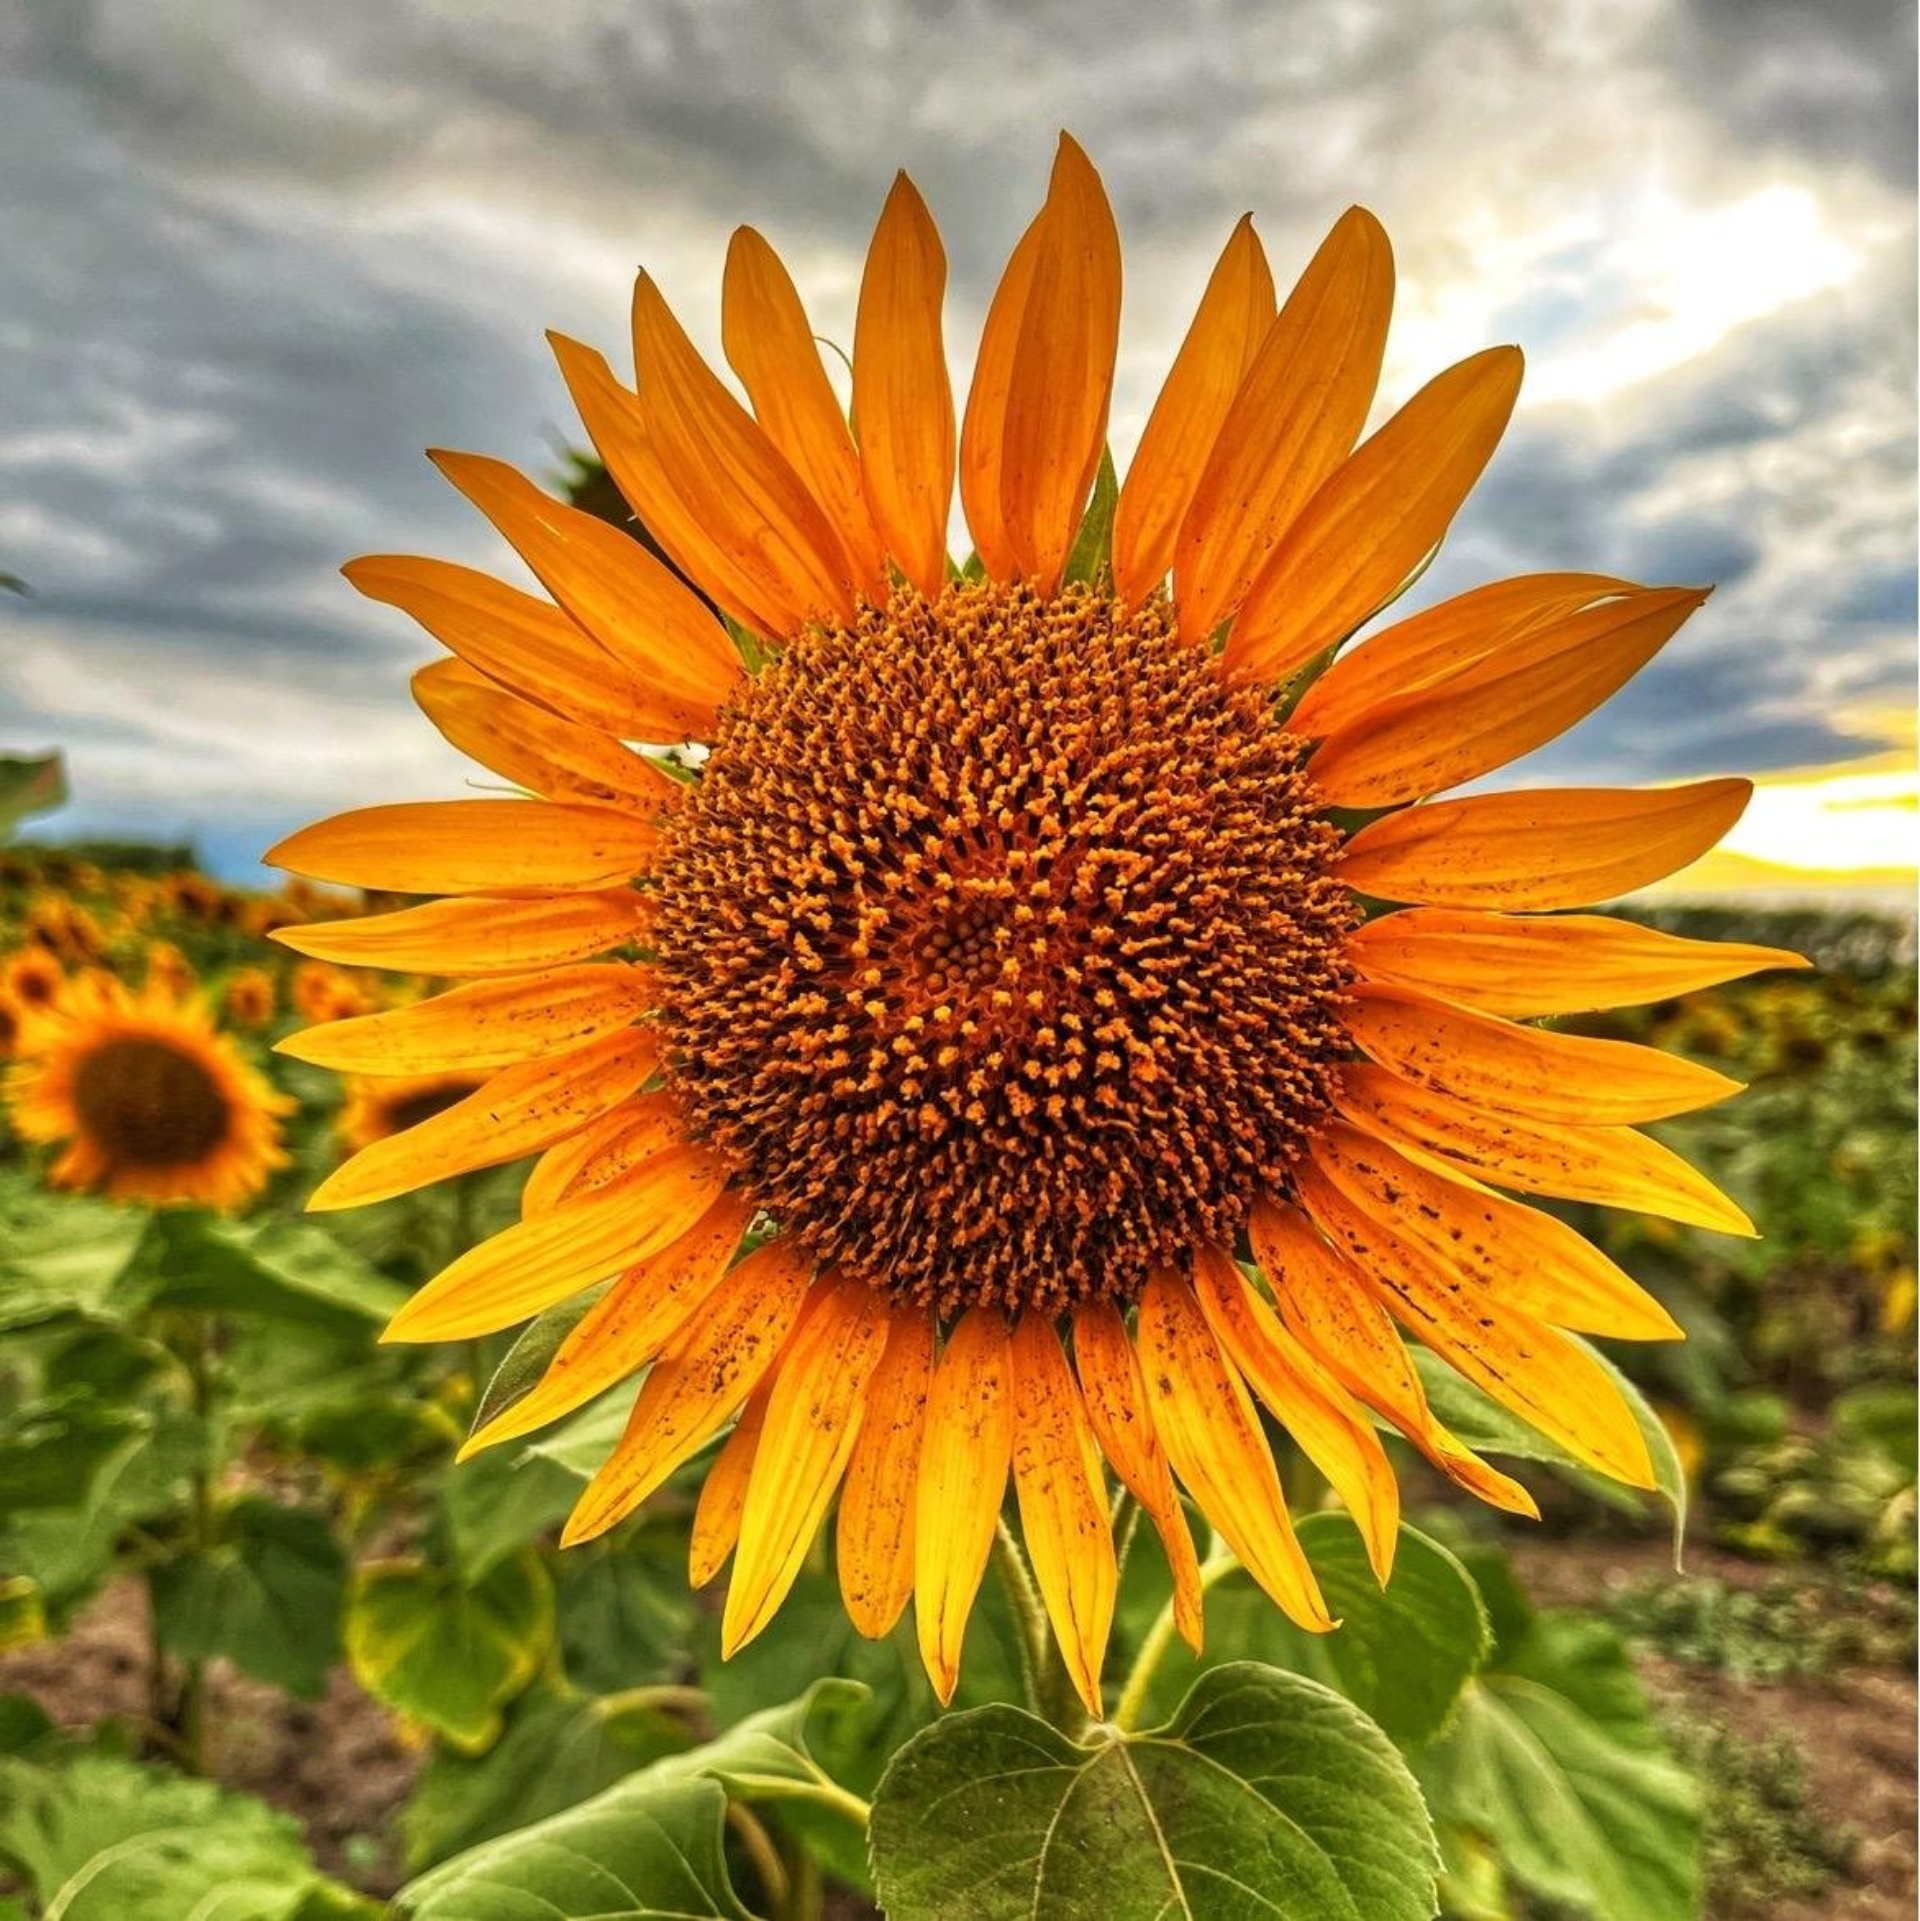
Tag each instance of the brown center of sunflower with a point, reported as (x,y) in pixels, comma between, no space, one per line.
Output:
(999,947)
(149,1104)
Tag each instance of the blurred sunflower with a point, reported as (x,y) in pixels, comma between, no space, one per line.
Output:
(13,1017)
(169,969)
(1030,951)
(32,977)
(377,1109)
(149,1101)
(250,997)
(323,993)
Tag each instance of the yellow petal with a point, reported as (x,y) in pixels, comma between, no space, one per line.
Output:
(471,847)
(532,1265)
(1524,1070)
(1234,315)
(1294,420)
(902,396)
(1202,1412)
(1521,1362)
(1063,1504)
(476,936)
(1330,1427)
(602,1152)
(518,1111)
(983,429)
(1567,847)
(964,1461)
(1116,1403)
(819,1393)
(1510,1256)
(873,1537)
(1363,534)
(706,1369)
(1554,964)
(1511,701)
(628,600)
(723,1495)
(629,1324)
(1611,1166)
(488,1024)
(769,344)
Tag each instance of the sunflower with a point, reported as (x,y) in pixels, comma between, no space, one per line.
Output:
(250,997)
(151,1101)
(13,1018)
(377,1108)
(324,993)
(32,977)
(1063,963)
(169,969)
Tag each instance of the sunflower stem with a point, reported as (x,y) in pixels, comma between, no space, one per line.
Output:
(1153,1650)
(1029,1617)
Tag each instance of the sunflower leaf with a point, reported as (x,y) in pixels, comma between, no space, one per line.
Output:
(1092,553)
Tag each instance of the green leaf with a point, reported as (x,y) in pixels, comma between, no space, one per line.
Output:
(444,1652)
(1401,1654)
(497,1504)
(1265,1795)
(625,1611)
(267,1595)
(283,1270)
(52,1450)
(62,1254)
(527,1359)
(1092,553)
(28,786)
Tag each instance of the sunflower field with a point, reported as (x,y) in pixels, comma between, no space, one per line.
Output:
(1029,1277)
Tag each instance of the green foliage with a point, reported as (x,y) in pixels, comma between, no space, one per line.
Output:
(1092,555)
(28,786)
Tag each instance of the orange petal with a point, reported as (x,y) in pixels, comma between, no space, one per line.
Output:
(632,604)
(733,480)
(902,397)
(1330,1427)
(964,1461)
(1521,1362)
(1565,847)
(819,1393)
(873,1536)
(983,428)
(1061,380)
(629,1324)
(1523,1070)
(1362,535)
(476,936)
(1509,1255)
(764,329)
(471,847)
(1611,1166)
(527,645)
(1116,1405)
(519,1111)
(490,1024)
(1430,647)
(1234,316)
(1336,1317)
(1202,1411)
(707,1368)
(600,1153)
(1294,420)
(532,1265)
(1508,703)
(1559,964)
(723,1495)
(1063,1504)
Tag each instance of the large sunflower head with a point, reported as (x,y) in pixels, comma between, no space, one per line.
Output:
(144,1098)
(1066,960)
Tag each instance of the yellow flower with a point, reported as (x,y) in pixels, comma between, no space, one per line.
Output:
(32,977)
(1023,951)
(250,997)
(147,1099)
(324,993)
(168,968)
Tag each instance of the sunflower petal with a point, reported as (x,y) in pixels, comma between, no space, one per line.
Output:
(706,1369)
(1234,316)
(518,1111)
(1362,535)
(1609,1166)
(1063,1504)
(1513,700)
(1521,1362)
(471,847)
(1293,421)
(602,1152)
(488,1024)
(1510,1255)
(964,1461)
(1202,1412)
(983,428)
(902,396)
(873,1537)
(1116,1404)
(1525,1070)
(530,1266)
(1566,847)
(819,1392)
(723,1494)
(1330,1428)
(1554,964)
(476,936)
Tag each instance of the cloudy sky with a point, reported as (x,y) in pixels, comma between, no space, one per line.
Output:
(258,257)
